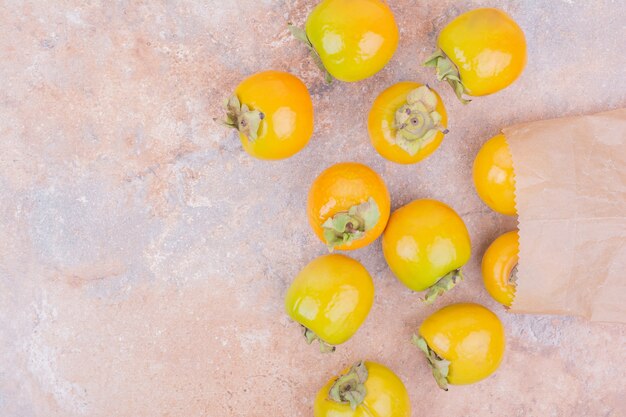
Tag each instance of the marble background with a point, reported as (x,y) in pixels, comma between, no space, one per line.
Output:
(144,256)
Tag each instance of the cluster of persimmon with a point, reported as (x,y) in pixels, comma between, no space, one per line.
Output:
(425,242)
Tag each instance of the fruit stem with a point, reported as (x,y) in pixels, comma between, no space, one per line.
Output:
(440,367)
(350,387)
(447,71)
(347,226)
(310,337)
(446,283)
(239,116)
(417,121)
(300,34)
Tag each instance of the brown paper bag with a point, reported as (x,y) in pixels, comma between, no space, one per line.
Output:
(571,204)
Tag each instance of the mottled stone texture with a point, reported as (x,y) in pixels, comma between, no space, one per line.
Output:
(144,256)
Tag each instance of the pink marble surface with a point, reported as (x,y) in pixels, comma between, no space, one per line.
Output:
(144,256)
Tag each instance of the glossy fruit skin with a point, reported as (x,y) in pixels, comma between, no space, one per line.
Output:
(288,109)
(468,335)
(487,47)
(494,177)
(386,397)
(342,186)
(425,240)
(498,262)
(331,296)
(381,120)
(354,38)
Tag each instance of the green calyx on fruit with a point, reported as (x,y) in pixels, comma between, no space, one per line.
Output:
(512,280)
(417,121)
(447,71)
(350,387)
(347,226)
(439,366)
(241,117)
(310,337)
(446,283)
(300,34)
(513,276)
